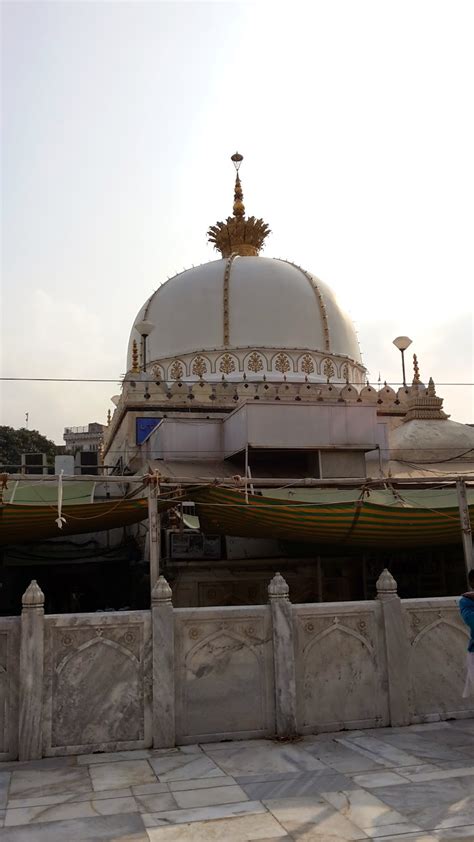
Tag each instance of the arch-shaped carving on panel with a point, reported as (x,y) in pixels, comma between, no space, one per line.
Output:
(223,670)
(255,362)
(96,641)
(340,681)
(345,630)
(282,362)
(157,371)
(200,365)
(437,669)
(441,621)
(306,364)
(216,634)
(227,364)
(97,695)
(328,368)
(177,369)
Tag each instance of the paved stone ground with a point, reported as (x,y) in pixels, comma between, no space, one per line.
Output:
(387,784)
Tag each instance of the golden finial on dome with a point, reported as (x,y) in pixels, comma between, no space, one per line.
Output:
(238,235)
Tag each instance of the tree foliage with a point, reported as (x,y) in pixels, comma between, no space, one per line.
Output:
(15,442)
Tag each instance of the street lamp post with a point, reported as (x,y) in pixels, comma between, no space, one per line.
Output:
(144,328)
(402,343)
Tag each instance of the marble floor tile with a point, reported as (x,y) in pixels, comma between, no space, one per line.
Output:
(364,809)
(113,756)
(406,771)
(344,758)
(48,781)
(122,773)
(313,819)
(424,746)
(391,755)
(406,837)
(45,763)
(185,766)
(156,802)
(66,797)
(455,834)
(306,784)
(406,829)
(265,758)
(466,725)
(73,810)
(150,789)
(209,797)
(201,783)
(126,828)
(200,814)
(193,748)
(262,827)
(434,804)
(239,744)
(372,781)
(442,774)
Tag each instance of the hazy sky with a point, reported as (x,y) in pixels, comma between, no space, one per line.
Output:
(356,121)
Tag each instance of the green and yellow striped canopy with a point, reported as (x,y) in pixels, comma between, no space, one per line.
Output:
(351,518)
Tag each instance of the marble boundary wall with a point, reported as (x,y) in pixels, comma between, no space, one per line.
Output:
(80,683)
(9,678)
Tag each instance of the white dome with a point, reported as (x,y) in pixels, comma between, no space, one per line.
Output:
(432,441)
(248,305)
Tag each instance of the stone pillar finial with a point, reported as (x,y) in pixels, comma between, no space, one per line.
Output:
(161,593)
(33,596)
(386,585)
(278,588)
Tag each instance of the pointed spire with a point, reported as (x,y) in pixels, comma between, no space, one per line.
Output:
(431,388)
(416,371)
(238,235)
(239,207)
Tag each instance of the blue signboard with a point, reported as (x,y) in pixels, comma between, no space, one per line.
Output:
(145,427)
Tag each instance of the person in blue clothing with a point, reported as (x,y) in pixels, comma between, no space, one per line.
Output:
(466,607)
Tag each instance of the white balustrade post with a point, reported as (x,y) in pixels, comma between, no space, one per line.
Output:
(31,673)
(283,657)
(164,733)
(397,650)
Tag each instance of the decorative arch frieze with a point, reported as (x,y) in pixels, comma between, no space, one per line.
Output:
(177,370)
(339,627)
(96,641)
(255,362)
(281,363)
(441,621)
(227,364)
(306,364)
(200,365)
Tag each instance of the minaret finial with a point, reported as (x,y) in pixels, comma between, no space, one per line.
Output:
(239,207)
(238,235)
(416,371)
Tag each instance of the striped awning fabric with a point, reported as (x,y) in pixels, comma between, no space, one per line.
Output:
(354,522)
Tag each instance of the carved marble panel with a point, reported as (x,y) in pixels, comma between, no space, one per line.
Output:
(341,670)
(438,642)
(9,661)
(224,672)
(97,682)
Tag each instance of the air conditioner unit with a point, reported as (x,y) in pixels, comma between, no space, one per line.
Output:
(190,544)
